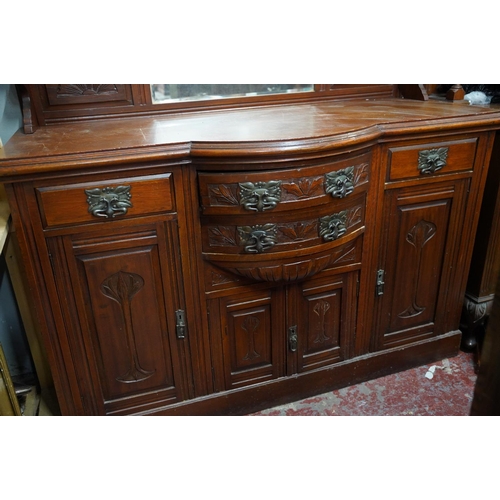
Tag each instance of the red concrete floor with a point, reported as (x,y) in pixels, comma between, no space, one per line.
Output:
(448,393)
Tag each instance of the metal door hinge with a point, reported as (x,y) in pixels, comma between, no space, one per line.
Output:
(180,324)
(292,338)
(380,282)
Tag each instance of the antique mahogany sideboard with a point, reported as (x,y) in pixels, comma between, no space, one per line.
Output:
(228,260)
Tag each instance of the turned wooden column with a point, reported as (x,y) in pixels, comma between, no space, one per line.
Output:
(485,265)
(486,400)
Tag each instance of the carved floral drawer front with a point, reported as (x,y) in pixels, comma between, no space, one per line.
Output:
(281,190)
(104,201)
(264,234)
(427,159)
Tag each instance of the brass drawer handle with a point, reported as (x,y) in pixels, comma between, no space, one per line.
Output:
(109,201)
(333,226)
(260,196)
(340,183)
(259,238)
(432,160)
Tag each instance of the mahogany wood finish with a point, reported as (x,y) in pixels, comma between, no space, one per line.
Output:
(222,262)
(61,103)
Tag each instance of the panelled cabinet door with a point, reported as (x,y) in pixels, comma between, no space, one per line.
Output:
(418,256)
(121,316)
(324,312)
(252,326)
(268,333)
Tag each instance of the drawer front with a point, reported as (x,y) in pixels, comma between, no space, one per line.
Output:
(223,273)
(427,159)
(282,190)
(261,235)
(106,200)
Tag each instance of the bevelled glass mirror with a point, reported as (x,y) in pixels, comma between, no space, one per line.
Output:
(174,92)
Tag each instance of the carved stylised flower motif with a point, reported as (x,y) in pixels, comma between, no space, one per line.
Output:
(122,287)
(306,186)
(222,236)
(361,174)
(298,231)
(250,326)
(222,194)
(418,236)
(320,309)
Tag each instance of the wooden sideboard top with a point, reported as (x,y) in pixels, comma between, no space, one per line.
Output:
(299,128)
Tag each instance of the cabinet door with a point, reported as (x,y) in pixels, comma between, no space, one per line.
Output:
(322,311)
(121,316)
(252,326)
(418,258)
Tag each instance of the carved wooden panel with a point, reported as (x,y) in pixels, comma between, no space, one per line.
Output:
(252,328)
(418,259)
(125,298)
(325,317)
(71,102)
(83,93)
(229,273)
(277,191)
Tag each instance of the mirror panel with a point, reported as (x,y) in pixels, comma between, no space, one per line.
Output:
(162,93)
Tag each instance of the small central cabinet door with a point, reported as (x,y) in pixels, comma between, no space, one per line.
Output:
(324,311)
(252,326)
(272,332)
(125,296)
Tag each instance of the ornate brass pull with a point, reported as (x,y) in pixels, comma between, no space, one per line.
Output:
(432,160)
(332,227)
(340,183)
(109,201)
(259,238)
(260,196)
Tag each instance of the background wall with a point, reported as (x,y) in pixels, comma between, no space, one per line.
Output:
(10,112)
(12,334)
